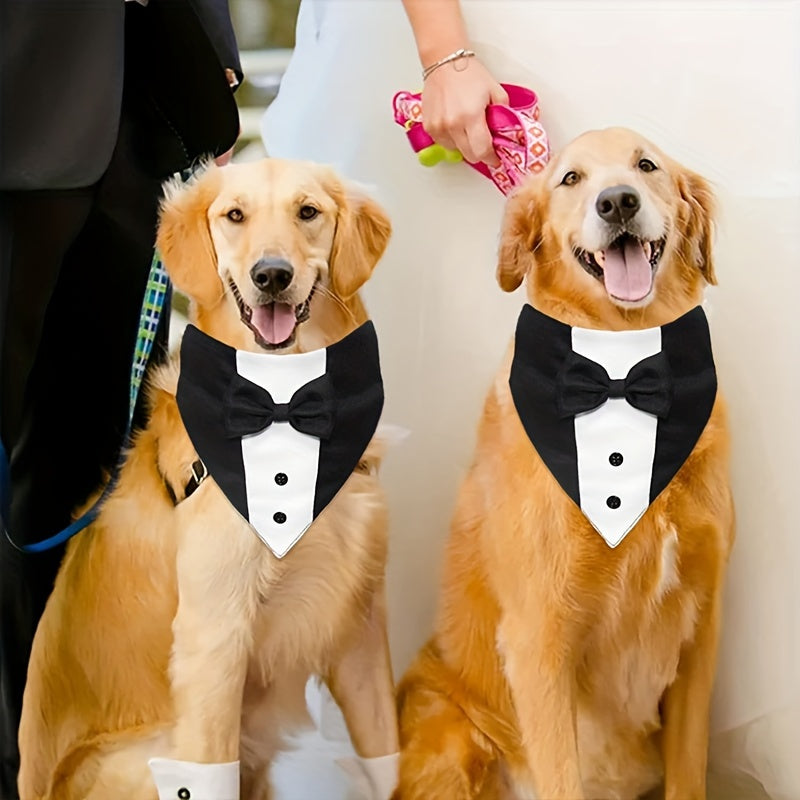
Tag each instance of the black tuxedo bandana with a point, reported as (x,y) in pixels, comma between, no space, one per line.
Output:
(280,434)
(613,414)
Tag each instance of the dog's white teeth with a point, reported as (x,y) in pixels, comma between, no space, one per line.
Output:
(600,257)
(648,250)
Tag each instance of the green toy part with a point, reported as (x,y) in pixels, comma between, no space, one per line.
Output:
(430,156)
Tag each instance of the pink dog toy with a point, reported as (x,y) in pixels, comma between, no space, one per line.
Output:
(519,139)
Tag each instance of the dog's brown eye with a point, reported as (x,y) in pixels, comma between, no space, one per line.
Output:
(235,215)
(570,179)
(646,165)
(307,212)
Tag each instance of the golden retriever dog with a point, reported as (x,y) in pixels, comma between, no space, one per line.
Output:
(172,631)
(562,668)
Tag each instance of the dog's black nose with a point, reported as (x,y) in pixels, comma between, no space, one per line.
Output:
(618,203)
(271,275)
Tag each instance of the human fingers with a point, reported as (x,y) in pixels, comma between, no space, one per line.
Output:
(498,95)
(457,121)
(454,105)
(475,143)
(222,160)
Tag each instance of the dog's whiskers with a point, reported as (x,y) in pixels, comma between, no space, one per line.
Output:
(324,290)
(552,262)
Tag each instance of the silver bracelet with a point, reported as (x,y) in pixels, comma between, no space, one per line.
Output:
(458,54)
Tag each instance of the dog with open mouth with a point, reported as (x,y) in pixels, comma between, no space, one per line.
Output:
(174,651)
(627,262)
(575,644)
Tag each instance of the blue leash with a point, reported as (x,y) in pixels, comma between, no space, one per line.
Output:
(156,297)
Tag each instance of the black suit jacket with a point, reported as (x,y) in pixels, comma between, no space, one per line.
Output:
(69,67)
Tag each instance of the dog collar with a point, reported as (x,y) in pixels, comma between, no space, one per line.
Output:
(613,414)
(280,434)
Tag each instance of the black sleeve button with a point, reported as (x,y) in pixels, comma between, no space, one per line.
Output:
(281,479)
(615,459)
(184,793)
(613,501)
(279,517)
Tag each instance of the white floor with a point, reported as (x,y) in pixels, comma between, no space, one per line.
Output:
(310,772)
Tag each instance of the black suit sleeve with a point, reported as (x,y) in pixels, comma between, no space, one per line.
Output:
(61,75)
(177,96)
(216,20)
(63,66)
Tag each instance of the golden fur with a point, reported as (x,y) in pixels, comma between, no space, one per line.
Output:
(172,631)
(560,668)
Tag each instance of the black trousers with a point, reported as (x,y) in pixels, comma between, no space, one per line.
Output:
(73,268)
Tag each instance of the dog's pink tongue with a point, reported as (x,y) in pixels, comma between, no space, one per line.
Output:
(274,321)
(626,271)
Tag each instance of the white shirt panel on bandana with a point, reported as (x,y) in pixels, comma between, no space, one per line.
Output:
(616,442)
(281,463)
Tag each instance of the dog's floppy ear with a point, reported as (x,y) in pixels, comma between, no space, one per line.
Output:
(184,240)
(697,213)
(519,237)
(362,233)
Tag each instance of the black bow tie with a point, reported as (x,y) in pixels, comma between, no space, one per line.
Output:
(584,385)
(250,409)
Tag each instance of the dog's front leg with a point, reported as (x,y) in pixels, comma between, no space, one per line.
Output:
(536,645)
(208,665)
(360,680)
(686,707)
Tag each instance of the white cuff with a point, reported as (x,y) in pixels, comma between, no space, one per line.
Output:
(185,780)
(375,778)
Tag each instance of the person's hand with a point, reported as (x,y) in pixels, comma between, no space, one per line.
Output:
(454,102)
(225,158)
